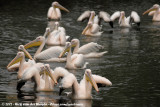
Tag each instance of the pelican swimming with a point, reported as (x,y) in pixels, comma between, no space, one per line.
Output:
(50,53)
(54,11)
(57,37)
(92,28)
(27,64)
(42,83)
(88,50)
(126,21)
(97,18)
(76,61)
(23,67)
(154,11)
(83,90)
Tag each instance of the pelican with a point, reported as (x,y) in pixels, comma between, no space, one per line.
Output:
(83,89)
(23,67)
(92,28)
(88,50)
(102,15)
(25,74)
(126,21)
(54,11)
(57,37)
(42,83)
(76,61)
(30,62)
(154,11)
(46,55)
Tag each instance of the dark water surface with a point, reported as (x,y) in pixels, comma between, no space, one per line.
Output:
(132,63)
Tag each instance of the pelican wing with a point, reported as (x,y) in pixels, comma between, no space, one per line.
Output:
(49,15)
(105,16)
(49,53)
(84,15)
(101,81)
(78,60)
(115,16)
(90,47)
(135,17)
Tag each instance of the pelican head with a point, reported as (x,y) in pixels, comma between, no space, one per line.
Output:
(18,58)
(66,49)
(89,25)
(37,42)
(153,8)
(46,69)
(21,48)
(122,15)
(89,78)
(47,32)
(92,16)
(74,42)
(56,25)
(57,5)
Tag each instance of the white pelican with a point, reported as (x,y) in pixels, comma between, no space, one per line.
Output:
(42,83)
(92,28)
(126,21)
(54,11)
(154,11)
(57,37)
(76,61)
(23,67)
(88,50)
(102,15)
(25,74)
(46,55)
(83,89)
(15,66)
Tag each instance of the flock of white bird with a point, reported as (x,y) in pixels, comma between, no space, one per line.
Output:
(60,50)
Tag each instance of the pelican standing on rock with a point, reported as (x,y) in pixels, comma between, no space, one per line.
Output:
(154,11)
(76,61)
(54,11)
(89,50)
(126,21)
(83,90)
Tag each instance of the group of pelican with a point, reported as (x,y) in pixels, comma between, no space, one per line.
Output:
(54,46)
(93,27)
(59,49)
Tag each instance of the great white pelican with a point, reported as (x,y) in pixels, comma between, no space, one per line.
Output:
(154,11)
(83,90)
(75,61)
(89,50)
(93,28)
(57,37)
(54,11)
(26,64)
(46,55)
(126,21)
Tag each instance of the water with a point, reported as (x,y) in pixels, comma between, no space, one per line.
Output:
(132,62)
